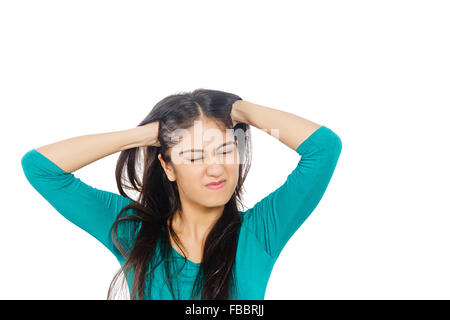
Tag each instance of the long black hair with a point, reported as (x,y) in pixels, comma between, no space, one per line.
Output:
(136,235)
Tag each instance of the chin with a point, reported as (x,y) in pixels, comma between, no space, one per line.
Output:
(217,203)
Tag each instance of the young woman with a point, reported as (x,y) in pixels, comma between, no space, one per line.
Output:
(185,237)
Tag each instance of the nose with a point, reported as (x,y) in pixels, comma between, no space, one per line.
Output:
(213,159)
(214,167)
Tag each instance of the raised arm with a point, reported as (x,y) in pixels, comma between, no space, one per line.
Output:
(275,218)
(75,153)
(292,129)
(48,169)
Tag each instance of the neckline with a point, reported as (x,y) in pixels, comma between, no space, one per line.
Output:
(179,255)
(196,264)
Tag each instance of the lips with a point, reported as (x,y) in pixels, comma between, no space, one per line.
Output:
(216,185)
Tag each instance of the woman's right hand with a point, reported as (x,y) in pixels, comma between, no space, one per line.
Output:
(149,134)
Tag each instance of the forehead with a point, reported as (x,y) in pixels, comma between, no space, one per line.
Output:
(202,135)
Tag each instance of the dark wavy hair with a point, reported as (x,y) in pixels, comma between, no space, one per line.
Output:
(136,235)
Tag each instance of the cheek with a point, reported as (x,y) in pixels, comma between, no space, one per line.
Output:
(233,173)
(190,180)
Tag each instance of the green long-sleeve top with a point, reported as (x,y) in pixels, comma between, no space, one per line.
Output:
(265,229)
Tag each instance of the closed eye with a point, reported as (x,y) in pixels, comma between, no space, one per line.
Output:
(193,160)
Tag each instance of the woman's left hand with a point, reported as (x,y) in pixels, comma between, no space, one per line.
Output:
(236,115)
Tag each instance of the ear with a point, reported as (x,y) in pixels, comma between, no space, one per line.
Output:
(167,168)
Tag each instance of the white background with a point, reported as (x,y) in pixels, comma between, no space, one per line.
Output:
(375,72)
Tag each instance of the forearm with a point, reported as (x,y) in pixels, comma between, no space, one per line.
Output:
(290,129)
(74,153)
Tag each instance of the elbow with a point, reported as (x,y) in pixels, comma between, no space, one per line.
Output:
(334,144)
(338,145)
(333,149)
(25,162)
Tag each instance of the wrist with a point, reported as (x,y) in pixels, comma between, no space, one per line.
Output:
(132,138)
(145,135)
(238,111)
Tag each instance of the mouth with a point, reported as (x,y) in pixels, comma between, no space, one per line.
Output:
(216,185)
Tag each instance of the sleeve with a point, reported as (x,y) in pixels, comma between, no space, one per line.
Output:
(91,209)
(275,218)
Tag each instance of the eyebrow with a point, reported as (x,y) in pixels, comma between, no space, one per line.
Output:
(201,150)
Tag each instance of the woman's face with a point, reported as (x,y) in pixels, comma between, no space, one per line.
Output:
(204,153)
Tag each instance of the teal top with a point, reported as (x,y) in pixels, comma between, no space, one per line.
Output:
(265,229)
